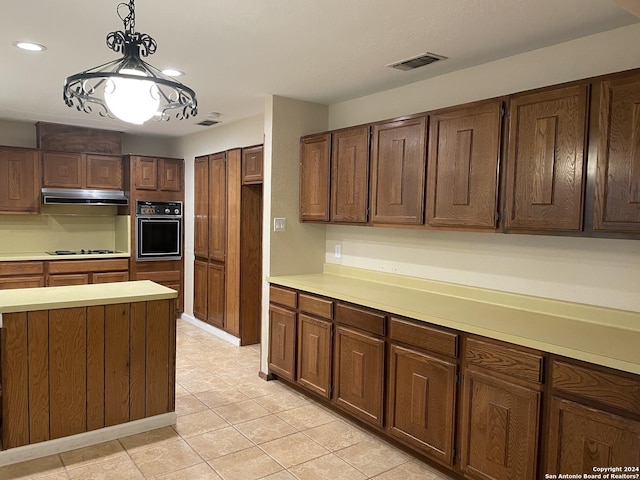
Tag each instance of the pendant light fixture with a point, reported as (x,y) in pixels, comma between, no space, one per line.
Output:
(129,88)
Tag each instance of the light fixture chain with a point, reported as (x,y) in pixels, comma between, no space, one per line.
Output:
(130,20)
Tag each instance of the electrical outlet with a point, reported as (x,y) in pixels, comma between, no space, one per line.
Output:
(338,251)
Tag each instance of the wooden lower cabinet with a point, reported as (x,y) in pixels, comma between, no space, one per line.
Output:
(167,273)
(581,438)
(359,374)
(216,295)
(314,354)
(421,401)
(282,342)
(200,289)
(69,279)
(84,272)
(499,430)
(21,275)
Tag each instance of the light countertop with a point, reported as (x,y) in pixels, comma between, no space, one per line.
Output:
(594,334)
(28,256)
(49,298)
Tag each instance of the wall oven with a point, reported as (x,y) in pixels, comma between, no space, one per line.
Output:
(158,230)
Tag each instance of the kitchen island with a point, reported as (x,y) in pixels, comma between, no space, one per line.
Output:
(80,363)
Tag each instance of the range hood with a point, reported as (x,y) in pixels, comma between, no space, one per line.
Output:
(76,196)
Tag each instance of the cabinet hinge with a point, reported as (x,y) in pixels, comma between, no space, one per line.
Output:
(458,378)
(498,218)
(368,213)
(503,111)
(454,453)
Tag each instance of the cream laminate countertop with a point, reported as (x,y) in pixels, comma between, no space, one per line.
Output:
(603,336)
(28,256)
(50,298)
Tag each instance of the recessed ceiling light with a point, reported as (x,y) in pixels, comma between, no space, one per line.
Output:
(172,72)
(32,47)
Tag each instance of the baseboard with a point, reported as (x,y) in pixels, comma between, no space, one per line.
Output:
(210,329)
(86,439)
(266,376)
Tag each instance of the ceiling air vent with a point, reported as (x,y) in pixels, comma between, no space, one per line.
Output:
(207,123)
(416,62)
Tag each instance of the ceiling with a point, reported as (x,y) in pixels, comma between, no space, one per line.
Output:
(235,52)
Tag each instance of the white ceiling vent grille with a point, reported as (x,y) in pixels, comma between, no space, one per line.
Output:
(416,62)
(207,123)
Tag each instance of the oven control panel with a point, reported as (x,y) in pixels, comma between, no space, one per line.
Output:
(170,209)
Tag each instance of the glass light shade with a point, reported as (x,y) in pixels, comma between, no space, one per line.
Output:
(133,101)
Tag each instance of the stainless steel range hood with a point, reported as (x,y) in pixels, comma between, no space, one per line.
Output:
(76,196)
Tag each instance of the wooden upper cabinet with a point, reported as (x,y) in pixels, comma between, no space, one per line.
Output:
(217,206)
(398,163)
(350,175)
(546,165)
(19,180)
(104,172)
(462,178)
(170,174)
(201,207)
(146,173)
(79,170)
(314,178)
(252,165)
(62,169)
(617,207)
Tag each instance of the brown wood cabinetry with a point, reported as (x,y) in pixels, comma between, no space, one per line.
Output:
(21,275)
(164,272)
(83,272)
(19,180)
(315,175)
(157,174)
(398,164)
(462,178)
(597,424)
(228,238)
(350,175)
(617,207)
(80,170)
(359,374)
(282,342)
(500,411)
(546,166)
(200,284)
(252,165)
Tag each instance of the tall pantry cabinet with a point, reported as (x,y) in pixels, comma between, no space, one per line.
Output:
(228,241)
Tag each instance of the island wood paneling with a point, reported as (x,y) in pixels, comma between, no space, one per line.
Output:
(116,358)
(157,356)
(38,347)
(67,371)
(137,374)
(95,367)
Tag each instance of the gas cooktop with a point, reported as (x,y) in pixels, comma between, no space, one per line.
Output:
(80,252)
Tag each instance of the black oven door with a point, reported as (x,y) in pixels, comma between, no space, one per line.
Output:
(158,238)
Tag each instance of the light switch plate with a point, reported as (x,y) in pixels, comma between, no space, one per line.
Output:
(279,224)
(338,251)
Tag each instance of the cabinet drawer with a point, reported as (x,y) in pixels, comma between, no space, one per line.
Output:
(320,307)
(503,359)
(162,277)
(110,277)
(283,296)
(21,282)
(71,279)
(88,266)
(422,336)
(21,268)
(604,387)
(366,320)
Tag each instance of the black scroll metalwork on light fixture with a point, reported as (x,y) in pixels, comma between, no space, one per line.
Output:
(129,88)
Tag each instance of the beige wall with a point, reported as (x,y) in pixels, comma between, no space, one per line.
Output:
(17,134)
(222,137)
(598,271)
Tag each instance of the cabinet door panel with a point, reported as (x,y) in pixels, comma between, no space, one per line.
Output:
(71,279)
(252,165)
(314,178)
(545,175)
(63,170)
(170,175)
(462,182)
(581,438)
(19,180)
(359,374)
(617,206)
(200,289)
(215,295)
(350,175)
(110,277)
(104,172)
(217,207)
(314,354)
(21,282)
(201,207)
(282,342)
(146,173)
(398,165)
(499,429)
(422,392)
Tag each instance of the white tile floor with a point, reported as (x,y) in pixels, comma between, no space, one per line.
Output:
(234,426)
